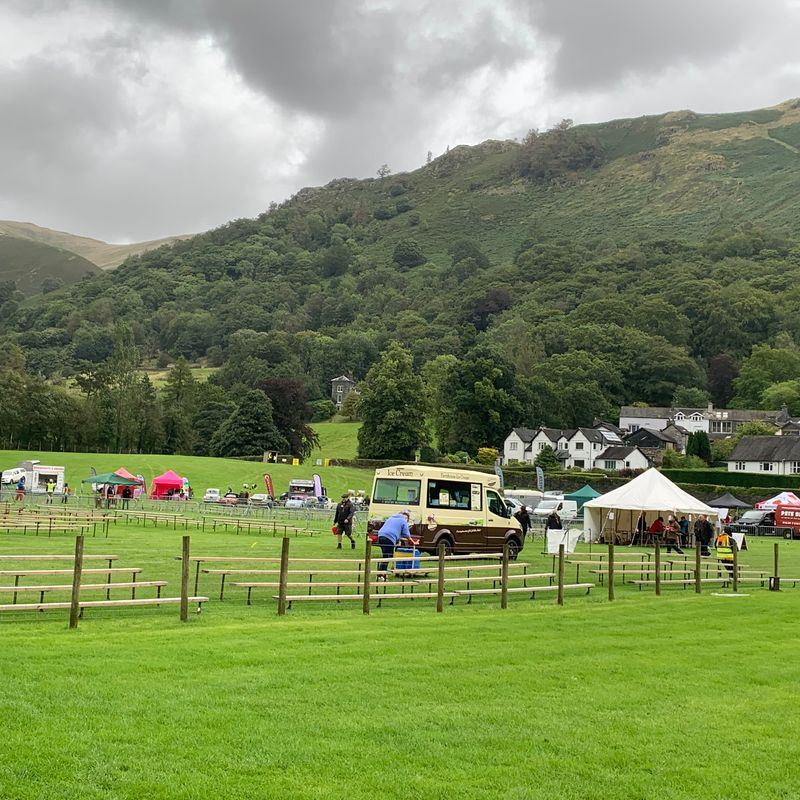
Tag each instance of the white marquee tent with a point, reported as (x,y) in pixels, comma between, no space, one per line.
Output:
(655,494)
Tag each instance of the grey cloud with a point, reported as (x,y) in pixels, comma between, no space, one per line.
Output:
(329,57)
(604,41)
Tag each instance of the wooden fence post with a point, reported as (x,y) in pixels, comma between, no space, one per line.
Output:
(503,578)
(735,549)
(775,583)
(185,579)
(282,579)
(440,580)
(367,576)
(77,571)
(561,574)
(697,549)
(658,567)
(610,571)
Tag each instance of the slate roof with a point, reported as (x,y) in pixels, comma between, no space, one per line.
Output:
(526,434)
(616,453)
(342,378)
(767,448)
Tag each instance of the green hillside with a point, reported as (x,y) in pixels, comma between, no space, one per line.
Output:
(202,472)
(32,265)
(102,254)
(546,281)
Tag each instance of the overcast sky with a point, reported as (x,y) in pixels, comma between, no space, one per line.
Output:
(134,119)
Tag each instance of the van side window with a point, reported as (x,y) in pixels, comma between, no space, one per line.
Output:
(449,494)
(496,505)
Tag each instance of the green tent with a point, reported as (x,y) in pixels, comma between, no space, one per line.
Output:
(582,495)
(111,479)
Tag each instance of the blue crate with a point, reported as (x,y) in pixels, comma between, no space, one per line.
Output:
(400,566)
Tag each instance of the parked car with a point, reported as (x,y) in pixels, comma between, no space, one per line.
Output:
(568,509)
(211,496)
(513,504)
(296,501)
(261,500)
(229,499)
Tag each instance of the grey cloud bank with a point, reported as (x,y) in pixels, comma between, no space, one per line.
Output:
(132,120)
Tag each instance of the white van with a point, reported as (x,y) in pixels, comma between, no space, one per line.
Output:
(458,508)
(527,497)
(567,509)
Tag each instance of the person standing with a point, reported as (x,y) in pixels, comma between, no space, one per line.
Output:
(641,529)
(343,520)
(20,495)
(49,490)
(126,497)
(684,528)
(554,520)
(524,518)
(65,494)
(703,534)
(393,532)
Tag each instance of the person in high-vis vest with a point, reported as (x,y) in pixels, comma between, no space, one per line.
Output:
(724,546)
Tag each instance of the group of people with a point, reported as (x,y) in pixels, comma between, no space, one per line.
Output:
(674,533)
(553,521)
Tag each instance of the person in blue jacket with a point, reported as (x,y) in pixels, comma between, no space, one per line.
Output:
(393,532)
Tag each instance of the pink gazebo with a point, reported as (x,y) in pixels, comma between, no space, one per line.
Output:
(139,490)
(160,487)
(782,499)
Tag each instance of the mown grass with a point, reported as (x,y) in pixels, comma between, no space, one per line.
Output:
(202,472)
(682,696)
(336,440)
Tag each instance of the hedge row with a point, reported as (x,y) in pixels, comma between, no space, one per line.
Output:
(734,479)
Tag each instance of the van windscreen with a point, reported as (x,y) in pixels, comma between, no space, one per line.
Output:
(396,491)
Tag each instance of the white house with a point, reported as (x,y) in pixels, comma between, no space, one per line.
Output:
(779,455)
(718,423)
(622,457)
(580,448)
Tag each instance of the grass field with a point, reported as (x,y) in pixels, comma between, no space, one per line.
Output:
(336,440)
(681,696)
(202,472)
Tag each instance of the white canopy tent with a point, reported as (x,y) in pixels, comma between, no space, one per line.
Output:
(617,511)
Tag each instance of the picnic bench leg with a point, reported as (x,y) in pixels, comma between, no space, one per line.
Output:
(158,592)
(133,588)
(16,583)
(222,587)
(249,592)
(197,577)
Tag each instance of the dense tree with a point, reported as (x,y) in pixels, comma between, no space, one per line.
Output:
(483,401)
(249,430)
(763,367)
(546,459)
(291,414)
(392,407)
(179,397)
(689,397)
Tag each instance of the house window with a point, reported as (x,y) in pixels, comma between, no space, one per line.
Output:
(739,465)
(512,445)
(720,427)
(579,463)
(679,415)
(579,445)
(542,445)
(609,465)
(595,446)
(795,466)
(767,466)
(628,464)
(633,428)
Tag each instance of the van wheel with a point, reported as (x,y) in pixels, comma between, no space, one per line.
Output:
(788,535)
(513,549)
(447,544)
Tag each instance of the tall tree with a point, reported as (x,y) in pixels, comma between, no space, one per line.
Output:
(392,406)
(291,414)
(179,398)
(484,402)
(249,430)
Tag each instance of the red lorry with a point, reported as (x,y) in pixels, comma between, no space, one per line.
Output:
(780,521)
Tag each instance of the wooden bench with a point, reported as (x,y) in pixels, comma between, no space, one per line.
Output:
(65,587)
(156,517)
(690,581)
(82,604)
(326,585)
(379,596)
(522,589)
(468,579)
(37,525)
(246,523)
